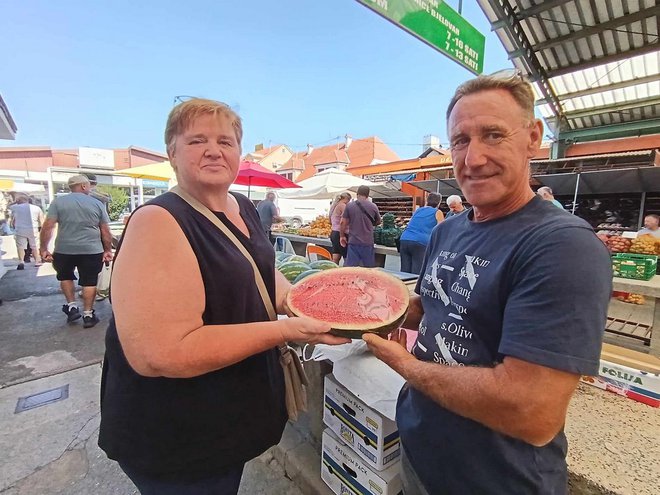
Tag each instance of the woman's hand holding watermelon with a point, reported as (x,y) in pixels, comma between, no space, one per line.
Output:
(309,330)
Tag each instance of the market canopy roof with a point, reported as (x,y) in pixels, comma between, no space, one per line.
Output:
(326,185)
(630,180)
(595,65)
(25,187)
(153,171)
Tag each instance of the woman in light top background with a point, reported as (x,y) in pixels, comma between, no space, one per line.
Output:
(336,211)
(418,232)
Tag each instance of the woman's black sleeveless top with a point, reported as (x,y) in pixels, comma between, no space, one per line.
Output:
(193,426)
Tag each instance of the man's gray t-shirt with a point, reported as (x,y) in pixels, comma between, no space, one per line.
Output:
(78,219)
(267,210)
(26,218)
(361,228)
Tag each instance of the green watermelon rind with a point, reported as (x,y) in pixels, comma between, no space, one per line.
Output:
(382,330)
(281,255)
(291,269)
(304,274)
(323,264)
(297,259)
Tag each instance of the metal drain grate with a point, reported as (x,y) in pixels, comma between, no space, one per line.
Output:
(42,398)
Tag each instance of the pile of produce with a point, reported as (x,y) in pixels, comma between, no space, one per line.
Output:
(618,244)
(611,228)
(632,298)
(352,300)
(389,233)
(645,244)
(401,222)
(284,228)
(295,267)
(319,227)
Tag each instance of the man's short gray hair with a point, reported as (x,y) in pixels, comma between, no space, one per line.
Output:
(454,199)
(544,190)
(519,89)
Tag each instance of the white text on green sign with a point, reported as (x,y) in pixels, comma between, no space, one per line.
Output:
(437,24)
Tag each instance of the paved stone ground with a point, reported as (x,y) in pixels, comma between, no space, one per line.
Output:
(52,450)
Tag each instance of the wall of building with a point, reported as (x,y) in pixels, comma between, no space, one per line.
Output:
(26,159)
(276,159)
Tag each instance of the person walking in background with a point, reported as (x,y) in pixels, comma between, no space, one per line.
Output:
(455,204)
(83,241)
(360,217)
(268,214)
(26,221)
(546,193)
(336,211)
(418,232)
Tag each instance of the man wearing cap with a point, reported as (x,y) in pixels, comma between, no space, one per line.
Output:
(96,194)
(83,242)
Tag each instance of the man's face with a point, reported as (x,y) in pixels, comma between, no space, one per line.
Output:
(651,223)
(270,197)
(491,143)
(456,206)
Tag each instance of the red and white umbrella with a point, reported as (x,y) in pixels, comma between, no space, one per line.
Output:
(252,174)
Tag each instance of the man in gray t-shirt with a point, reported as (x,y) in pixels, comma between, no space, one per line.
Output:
(268,213)
(83,241)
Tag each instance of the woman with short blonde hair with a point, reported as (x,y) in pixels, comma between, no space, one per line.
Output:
(192,387)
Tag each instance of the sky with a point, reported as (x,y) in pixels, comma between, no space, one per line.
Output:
(105,74)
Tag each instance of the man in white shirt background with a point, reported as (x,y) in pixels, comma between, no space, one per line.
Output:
(651,225)
(26,220)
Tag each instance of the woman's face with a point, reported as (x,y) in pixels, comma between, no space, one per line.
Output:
(207,154)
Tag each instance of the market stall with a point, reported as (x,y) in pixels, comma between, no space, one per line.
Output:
(299,243)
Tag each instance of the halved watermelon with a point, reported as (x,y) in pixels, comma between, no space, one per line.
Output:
(353,300)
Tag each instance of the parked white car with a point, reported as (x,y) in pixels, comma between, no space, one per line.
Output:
(298,212)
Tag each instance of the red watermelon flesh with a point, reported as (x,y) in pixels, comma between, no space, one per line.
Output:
(352,300)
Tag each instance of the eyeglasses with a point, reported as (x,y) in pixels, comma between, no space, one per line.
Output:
(508,74)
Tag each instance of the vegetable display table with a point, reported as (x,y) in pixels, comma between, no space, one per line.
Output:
(651,289)
(299,243)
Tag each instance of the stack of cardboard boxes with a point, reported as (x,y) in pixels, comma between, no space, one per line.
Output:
(361,450)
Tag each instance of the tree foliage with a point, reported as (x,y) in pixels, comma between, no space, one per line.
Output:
(119,200)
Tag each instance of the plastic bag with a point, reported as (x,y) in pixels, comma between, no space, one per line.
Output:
(335,352)
(103,284)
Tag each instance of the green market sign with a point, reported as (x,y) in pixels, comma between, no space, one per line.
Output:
(438,25)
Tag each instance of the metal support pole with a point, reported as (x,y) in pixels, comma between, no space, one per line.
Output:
(51,187)
(640,221)
(460,7)
(140,193)
(577,186)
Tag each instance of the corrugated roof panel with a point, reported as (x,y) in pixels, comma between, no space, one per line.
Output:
(577,33)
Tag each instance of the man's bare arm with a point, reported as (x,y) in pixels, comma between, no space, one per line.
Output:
(45,236)
(517,398)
